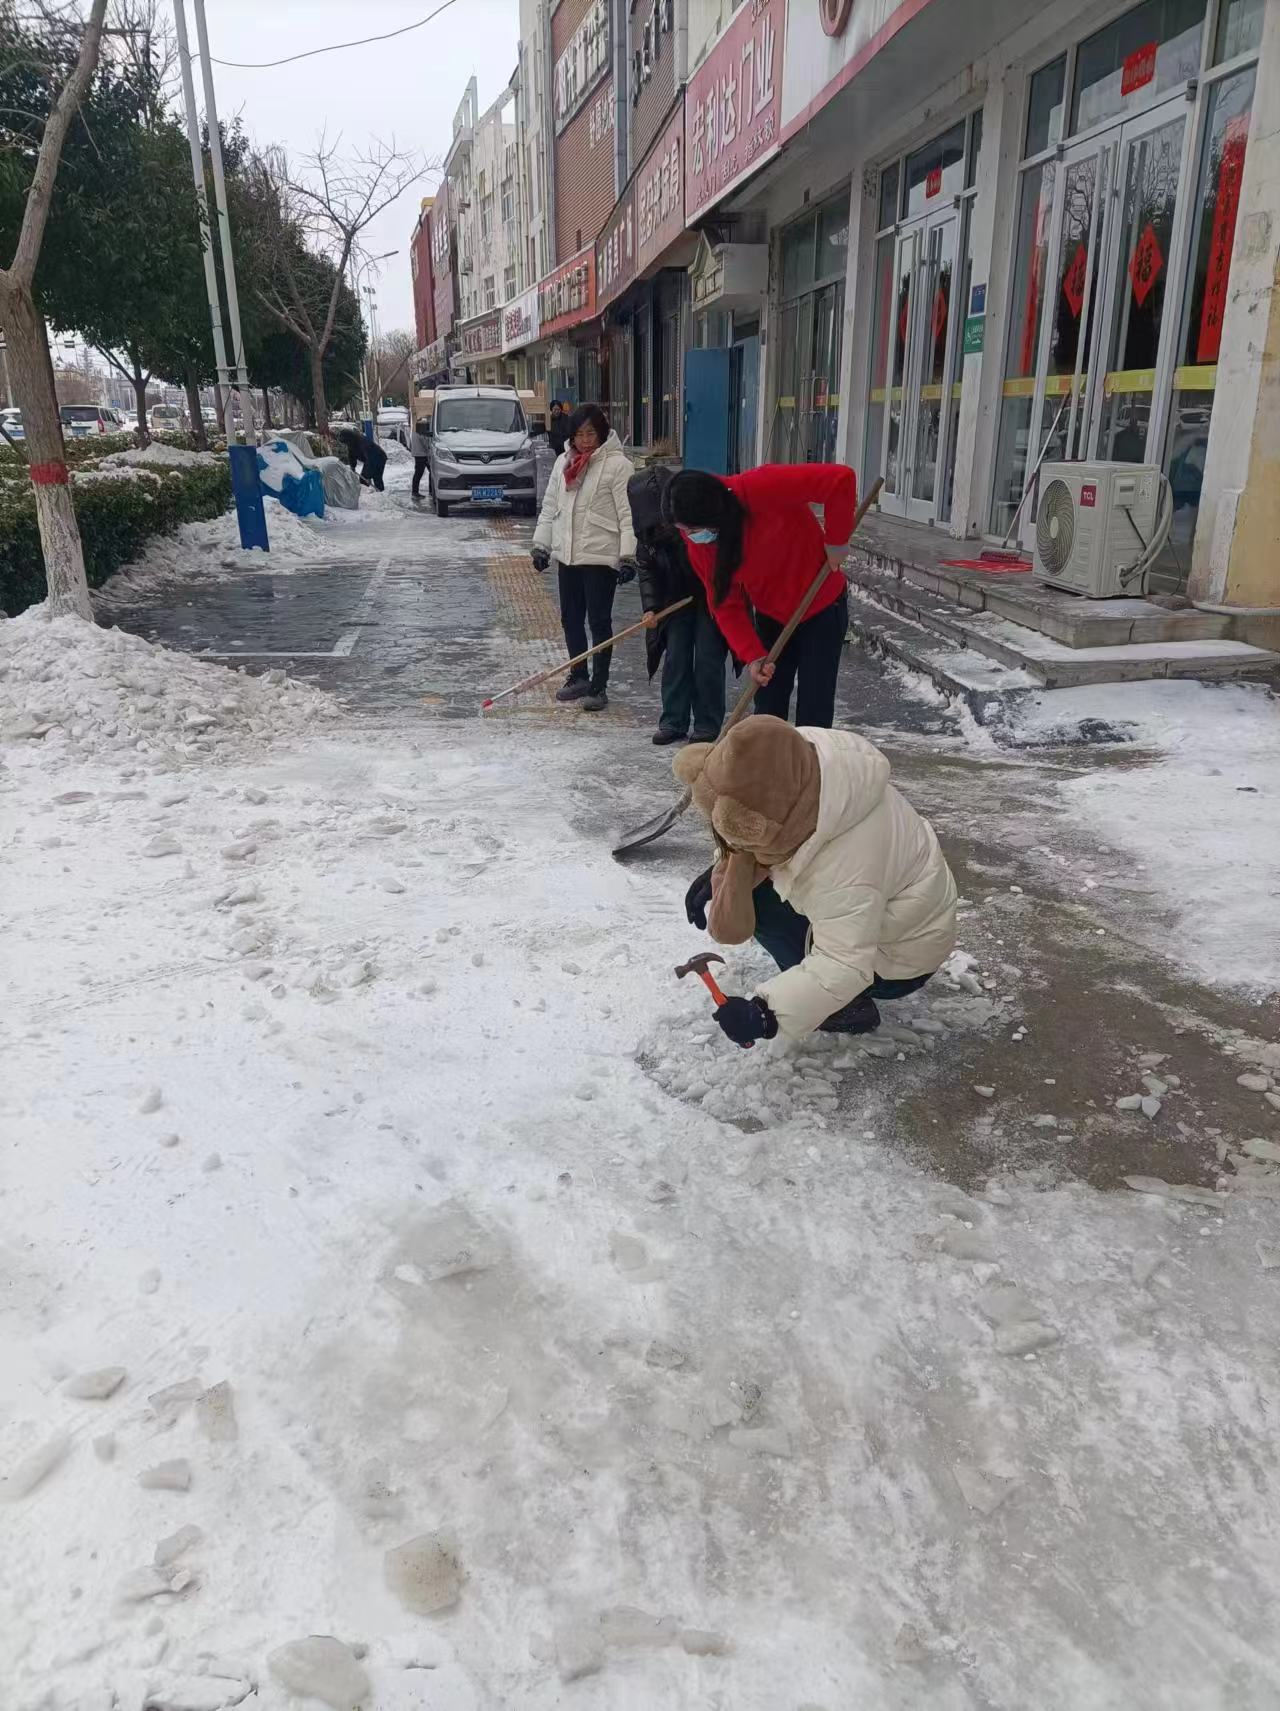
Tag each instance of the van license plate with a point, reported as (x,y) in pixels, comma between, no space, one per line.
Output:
(488,492)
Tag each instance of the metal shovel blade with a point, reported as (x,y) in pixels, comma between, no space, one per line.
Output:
(652,829)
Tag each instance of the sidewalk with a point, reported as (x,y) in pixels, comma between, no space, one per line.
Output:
(348,1070)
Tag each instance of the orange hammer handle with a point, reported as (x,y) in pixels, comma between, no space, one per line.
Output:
(709,981)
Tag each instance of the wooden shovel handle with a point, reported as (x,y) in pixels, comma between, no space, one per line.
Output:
(581,659)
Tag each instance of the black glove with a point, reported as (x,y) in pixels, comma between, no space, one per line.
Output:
(626,571)
(696,899)
(541,558)
(747,1020)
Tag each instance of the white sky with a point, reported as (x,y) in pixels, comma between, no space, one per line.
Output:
(407,88)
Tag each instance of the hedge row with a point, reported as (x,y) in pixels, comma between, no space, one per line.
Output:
(117,517)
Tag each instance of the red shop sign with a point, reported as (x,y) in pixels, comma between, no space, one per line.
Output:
(1139,69)
(1225,210)
(1146,265)
(933,182)
(733,105)
(568,295)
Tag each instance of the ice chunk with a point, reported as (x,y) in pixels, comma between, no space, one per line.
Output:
(1024,1337)
(163,844)
(425,1573)
(26,1474)
(964,1244)
(143,1583)
(1130,1102)
(1269,1255)
(701,1643)
(1254,1080)
(579,1650)
(1174,1190)
(216,1413)
(170,1401)
(1150,1106)
(95,1386)
(984,1092)
(322,1668)
(196,1693)
(151,1101)
(665,1355)
(173,1545)
(1260,1148)
(167,1476)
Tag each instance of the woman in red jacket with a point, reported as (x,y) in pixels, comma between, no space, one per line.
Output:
(756,545)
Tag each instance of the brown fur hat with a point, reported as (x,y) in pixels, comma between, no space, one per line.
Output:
(759,787)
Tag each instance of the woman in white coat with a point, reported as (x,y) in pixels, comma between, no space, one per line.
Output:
(827,867)
(586,525)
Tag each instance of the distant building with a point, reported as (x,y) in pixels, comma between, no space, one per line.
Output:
(420,265)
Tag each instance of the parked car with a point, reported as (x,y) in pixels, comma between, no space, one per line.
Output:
(166,419)
(82,420)
(11,421)
(481,451)
(393,424)
(208,415)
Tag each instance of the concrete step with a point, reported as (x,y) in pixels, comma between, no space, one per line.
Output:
(1066,618)
(988,689)
(1051,664)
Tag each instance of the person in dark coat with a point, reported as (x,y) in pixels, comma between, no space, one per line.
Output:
(558,426)
(694,649)
(365,455)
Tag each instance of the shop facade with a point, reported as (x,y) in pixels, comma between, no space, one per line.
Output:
(523,353)
(569,323)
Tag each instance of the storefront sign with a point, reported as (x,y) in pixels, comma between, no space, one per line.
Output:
(600,118)
(733,105)
(658,21)
(978,299)
(1139,69)
(484,337)
(616,251)
(659,192)
(834,15)
(431,359)
(975,328)
(933,181)
(520,321)
(583,61)
(568,295)
(1226,207)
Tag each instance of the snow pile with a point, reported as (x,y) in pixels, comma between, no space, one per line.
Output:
(92,690)
(158,453)
(396,453)
(783,1080)
(212,549)
(1213,787)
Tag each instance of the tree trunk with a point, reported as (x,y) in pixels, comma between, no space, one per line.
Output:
(317,391)
(266,409)
(32,375)
(139,380)
(194,412)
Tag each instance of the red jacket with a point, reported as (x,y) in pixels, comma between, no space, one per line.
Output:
(783,545)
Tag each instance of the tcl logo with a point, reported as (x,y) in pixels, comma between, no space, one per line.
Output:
(834,15)
(1089,494)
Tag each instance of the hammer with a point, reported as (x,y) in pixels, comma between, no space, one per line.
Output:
(699,965)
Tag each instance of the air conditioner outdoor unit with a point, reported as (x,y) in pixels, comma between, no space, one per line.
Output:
(1100,526)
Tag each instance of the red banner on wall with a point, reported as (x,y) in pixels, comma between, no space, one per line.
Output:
(1225,210)
(1139,69)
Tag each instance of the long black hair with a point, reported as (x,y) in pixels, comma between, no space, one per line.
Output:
(696,500)
(593,414)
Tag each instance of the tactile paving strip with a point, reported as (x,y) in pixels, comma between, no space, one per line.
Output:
(527,612)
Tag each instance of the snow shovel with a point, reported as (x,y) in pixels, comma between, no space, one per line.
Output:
(555,670)
(662,823)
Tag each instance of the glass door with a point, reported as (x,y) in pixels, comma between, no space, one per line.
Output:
(922,367)
(821,398)
(1146,209)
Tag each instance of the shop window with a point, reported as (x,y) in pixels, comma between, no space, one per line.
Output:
(1213,233)
(888,197)
(833,240)
(509,283)
(936,171)
(1239,28)
(797,257)
(1045,107)
(1030,264)
(1151,49)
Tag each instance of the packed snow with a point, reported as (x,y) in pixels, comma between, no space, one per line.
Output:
(212,549)
(159,453)
(410,1299)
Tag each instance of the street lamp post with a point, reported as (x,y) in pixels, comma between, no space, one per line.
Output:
(357,270)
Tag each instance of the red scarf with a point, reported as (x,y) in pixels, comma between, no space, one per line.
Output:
(575,463)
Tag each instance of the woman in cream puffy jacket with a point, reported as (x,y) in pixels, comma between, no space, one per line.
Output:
(586,525)
(827,866)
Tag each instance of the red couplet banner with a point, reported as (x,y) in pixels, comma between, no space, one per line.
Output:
(1226,208)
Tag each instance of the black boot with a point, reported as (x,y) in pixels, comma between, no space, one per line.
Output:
(860,1017)
(573,689)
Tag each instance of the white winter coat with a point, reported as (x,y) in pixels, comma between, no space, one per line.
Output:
(873,883)
(590,522)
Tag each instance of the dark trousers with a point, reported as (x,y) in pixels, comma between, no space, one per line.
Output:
(784,933)
(693,674)
(586,596)
(419,468)
(813,657)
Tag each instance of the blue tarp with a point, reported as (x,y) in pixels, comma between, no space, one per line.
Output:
(286,478)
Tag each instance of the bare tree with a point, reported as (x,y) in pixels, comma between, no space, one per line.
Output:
(30,366)
(311,218)
(387,367)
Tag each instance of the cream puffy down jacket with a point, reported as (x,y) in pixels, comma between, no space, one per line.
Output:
(590,522)
(873,883)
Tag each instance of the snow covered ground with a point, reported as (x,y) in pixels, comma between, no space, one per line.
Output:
(394,1252)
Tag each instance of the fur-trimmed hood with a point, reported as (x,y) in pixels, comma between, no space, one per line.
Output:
(760,787)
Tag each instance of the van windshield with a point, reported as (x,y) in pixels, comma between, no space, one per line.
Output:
(489,415)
